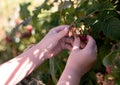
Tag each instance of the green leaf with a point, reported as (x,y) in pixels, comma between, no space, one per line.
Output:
(106,14)
(100,7)
(108,60)
(107,6)
(90,20)
(24,12)
(82,6)
(55,17)
(96,26)
(93,8)
(103,50)
(70,18)
(88,79)
(111,28)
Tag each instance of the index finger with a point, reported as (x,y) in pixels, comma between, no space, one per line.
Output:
(76,44)
(59,28)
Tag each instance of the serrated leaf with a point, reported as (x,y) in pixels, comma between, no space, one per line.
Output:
(90,21)
(96,26)
(106,14)
(100,7)
(111,28)
(107,6)
(93,8)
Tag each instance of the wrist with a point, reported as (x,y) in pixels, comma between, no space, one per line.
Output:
(73,68)
(69,76)
(41,52)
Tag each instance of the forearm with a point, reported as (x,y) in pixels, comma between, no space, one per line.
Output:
(69,77)
(16,69)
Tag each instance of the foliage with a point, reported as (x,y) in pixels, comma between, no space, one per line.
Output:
(101,17)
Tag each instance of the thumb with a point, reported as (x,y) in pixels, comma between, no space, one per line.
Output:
(91,42)
(76,44)
(62,33)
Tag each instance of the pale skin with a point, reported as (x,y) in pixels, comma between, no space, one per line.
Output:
(79,62)
(14,70)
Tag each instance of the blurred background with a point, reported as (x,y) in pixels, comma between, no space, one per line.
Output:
(24,23)
(9,13)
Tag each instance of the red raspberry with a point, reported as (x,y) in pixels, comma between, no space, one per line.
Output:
(26,35)
(29,28)
(8,39)
(108,70)
(83,38)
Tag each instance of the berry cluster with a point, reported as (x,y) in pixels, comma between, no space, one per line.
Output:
(79,32)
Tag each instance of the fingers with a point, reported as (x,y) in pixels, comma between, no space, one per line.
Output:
(76,43)
(68,47)
(69,40)
(67,43)
(62,33)
(59,31)
(59,28)
(91,42)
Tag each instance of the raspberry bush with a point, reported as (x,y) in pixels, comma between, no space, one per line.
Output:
(99,18)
